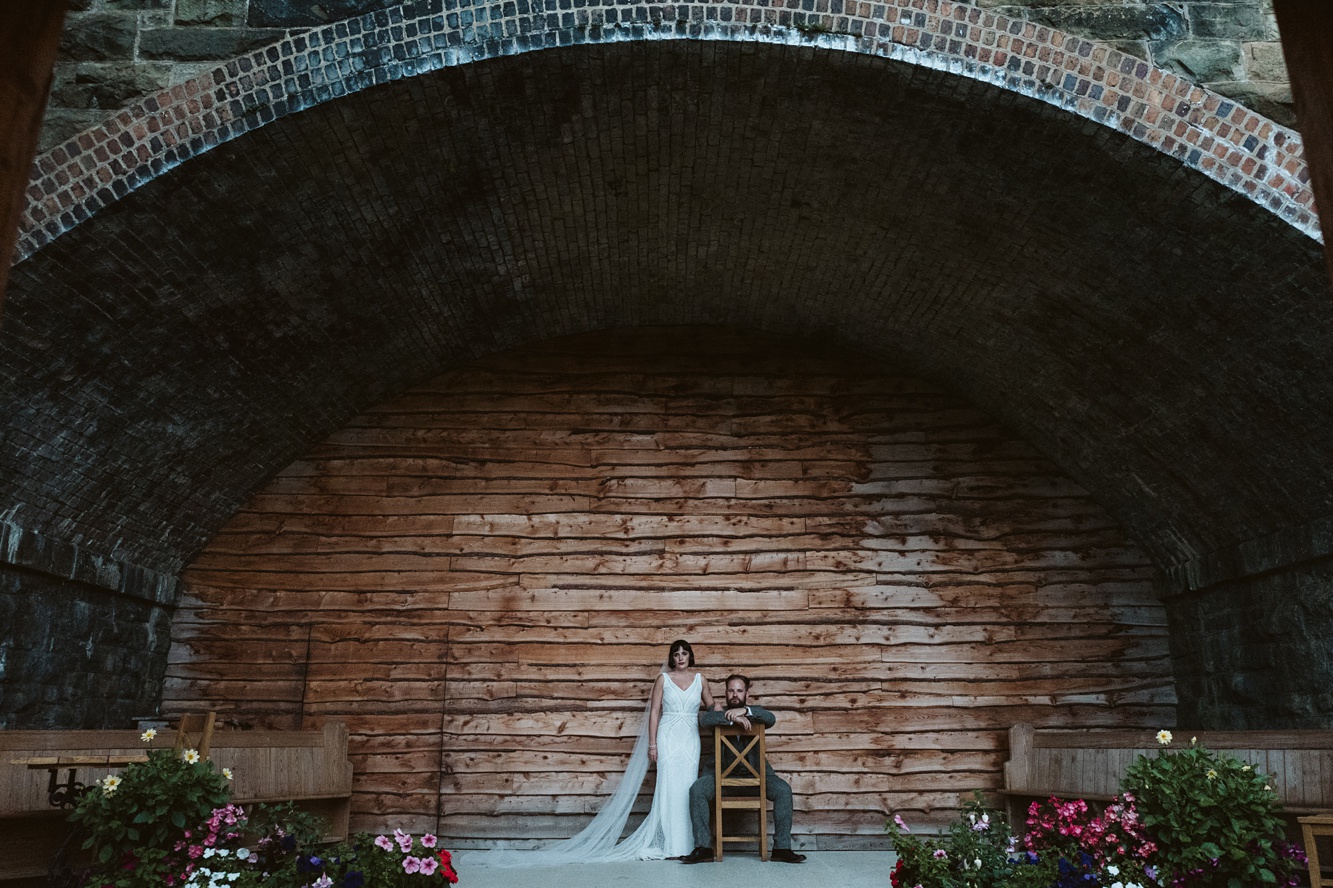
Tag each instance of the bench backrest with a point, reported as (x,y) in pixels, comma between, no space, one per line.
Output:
(1091,764)
(267,765)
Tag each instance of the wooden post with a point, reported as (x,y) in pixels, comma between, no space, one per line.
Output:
(1306,28)
(29,36)
(1018,770)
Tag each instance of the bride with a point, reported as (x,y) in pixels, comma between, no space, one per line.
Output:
(670,738)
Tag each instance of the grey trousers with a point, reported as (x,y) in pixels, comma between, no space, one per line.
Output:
(701,808)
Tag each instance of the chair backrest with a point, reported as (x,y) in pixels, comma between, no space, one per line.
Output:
(739,744)
(196,732)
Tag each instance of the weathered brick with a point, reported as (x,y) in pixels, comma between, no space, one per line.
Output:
(194,44)
(107,85)
(1273,100)
(1227,21)
(1201,61)
(213,13)
(1265,62)
(300,13)
(99,36)
(1158,21)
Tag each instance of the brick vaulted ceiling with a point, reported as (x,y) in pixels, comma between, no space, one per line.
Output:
(1161,337)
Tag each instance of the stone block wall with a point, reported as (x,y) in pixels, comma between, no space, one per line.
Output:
(116,51)
(1230,47)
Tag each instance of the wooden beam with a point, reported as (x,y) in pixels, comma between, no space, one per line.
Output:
(29,37)
(1306,28)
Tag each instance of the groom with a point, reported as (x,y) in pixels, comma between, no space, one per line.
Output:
(738,712)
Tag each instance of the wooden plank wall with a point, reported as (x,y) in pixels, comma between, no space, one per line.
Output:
(481,576)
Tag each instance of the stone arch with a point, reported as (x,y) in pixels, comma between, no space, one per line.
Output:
(1154,332)
(1202,130)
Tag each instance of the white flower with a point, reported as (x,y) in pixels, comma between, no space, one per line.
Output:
(1117,885)
(1267,787)
(148,735)
(226,772)
(1113,870)
(232,877)
(209,852)
(1164,737)
(323,881)
(978,862)
(110,783)
(223,852)
(1246,768)
(243,854)
(191,756)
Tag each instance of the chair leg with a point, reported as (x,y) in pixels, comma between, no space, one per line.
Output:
(717,825)
(1312,856)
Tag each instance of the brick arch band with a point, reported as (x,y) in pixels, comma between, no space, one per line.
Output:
(1203,130)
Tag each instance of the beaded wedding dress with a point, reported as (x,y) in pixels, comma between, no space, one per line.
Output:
(666,831)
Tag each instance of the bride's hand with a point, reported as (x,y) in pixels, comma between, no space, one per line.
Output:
(652,754)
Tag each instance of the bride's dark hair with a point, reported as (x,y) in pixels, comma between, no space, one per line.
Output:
(679,644)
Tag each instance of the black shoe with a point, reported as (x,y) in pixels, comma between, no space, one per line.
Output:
(702,854)
(786,855)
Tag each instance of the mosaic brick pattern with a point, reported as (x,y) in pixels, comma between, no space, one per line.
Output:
(1204,131)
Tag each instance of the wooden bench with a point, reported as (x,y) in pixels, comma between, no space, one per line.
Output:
(308,767)
(1089,764)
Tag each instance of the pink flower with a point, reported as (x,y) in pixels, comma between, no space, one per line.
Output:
(384,843)
(940,854)
(411,864)
(428,841)
(428,866)
(898,821)
(403,839)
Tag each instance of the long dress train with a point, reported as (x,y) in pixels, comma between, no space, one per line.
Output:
(666,831)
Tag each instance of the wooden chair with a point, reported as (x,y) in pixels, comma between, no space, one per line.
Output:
(196,726)
(1311,829)
(741,773)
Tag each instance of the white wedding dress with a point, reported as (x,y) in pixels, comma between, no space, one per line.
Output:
(666,831)
(668,823)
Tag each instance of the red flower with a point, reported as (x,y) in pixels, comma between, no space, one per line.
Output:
(894,877)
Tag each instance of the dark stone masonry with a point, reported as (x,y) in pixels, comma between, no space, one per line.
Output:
(77,656)
(1253,653)
(119,50)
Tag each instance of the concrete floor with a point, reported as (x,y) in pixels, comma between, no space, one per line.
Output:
(826,869)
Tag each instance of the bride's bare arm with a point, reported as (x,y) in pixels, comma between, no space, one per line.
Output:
(654,715)
(708,696)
